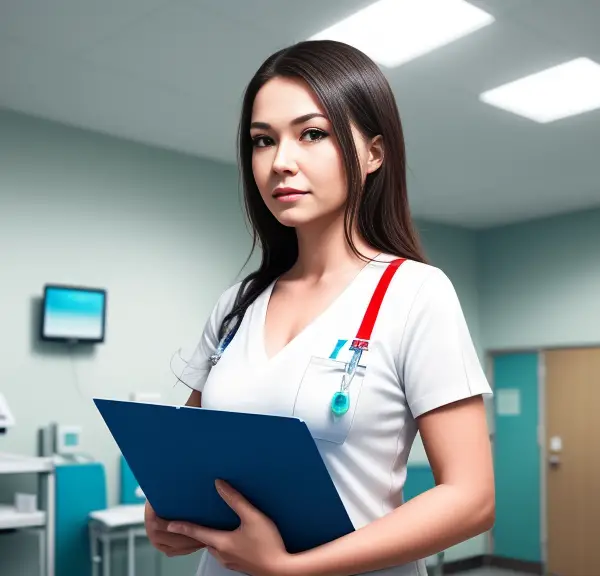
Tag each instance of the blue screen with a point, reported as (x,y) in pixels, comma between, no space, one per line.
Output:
(77,314)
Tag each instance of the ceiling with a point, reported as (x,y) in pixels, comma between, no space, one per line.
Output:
(171,73)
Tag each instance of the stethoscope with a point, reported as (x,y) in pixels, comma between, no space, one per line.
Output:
(340,401)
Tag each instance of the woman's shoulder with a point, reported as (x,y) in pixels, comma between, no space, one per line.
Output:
(421,282)
(413,271)
(224,303)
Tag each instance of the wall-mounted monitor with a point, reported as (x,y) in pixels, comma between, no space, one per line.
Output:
(73,314)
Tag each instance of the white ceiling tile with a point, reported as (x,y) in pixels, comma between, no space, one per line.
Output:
(570,25)
(69,25)
(189,48)
(496,7)
(109,101)
(288,21)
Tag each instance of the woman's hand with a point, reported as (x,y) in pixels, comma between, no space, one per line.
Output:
(168,543)
(255,548)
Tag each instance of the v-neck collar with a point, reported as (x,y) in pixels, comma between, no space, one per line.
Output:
(259,341)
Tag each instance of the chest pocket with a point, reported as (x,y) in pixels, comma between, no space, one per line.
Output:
(321,380)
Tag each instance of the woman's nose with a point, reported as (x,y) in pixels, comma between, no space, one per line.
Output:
(285,161)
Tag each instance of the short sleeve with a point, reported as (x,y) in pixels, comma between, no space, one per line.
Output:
(196,372)
(438,362)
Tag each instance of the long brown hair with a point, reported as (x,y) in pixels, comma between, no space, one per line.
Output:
(352,89)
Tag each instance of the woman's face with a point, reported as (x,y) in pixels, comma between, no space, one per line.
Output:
(296,160)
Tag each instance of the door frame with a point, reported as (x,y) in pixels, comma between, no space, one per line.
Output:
(541,352)
(543,466)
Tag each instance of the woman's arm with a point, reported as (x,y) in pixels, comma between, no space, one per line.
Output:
(460,507)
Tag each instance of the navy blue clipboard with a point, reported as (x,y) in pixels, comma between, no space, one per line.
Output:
(176,453)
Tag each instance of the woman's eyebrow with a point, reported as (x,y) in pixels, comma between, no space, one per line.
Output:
(295,121)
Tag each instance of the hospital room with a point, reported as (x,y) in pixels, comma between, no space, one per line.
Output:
(389,208)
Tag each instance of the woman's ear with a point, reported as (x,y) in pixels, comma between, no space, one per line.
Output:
(376,153)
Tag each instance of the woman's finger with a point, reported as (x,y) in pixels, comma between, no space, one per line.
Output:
(159,524)
(172,552)
(177,550)
(176,540)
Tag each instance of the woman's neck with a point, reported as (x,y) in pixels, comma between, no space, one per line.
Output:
(323,251)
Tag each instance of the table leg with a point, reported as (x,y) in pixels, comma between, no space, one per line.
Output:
(94,552)
(439,567)
(42,551)
(46,485)
(130,553)
(106,555)
(158,563)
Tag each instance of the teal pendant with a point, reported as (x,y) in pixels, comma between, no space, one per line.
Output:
(340,403)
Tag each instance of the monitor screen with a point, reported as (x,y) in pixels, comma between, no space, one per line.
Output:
(73,314)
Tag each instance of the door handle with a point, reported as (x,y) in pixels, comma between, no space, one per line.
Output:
(556,446)
(554,460)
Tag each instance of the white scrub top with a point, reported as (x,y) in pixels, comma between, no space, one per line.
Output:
(420,357)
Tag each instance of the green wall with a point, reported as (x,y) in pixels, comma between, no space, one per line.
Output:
(540,281)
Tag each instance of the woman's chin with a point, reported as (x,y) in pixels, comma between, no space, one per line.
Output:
(294,219)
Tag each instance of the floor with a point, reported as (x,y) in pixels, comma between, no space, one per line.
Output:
(490,571)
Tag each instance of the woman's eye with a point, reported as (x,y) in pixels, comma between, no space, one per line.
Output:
(314,135)
(261,141)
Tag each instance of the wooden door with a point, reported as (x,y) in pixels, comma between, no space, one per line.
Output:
(573,461)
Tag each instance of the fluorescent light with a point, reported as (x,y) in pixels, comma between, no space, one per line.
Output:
(392,32)
(558,92)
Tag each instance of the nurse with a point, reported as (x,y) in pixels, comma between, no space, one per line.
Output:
(344,325)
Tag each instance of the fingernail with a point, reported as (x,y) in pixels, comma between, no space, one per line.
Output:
(173,527)
(221,487)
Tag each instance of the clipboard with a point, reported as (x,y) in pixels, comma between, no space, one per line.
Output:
(177,452)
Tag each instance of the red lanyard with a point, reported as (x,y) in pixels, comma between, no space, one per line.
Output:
(340,402)
(361,341)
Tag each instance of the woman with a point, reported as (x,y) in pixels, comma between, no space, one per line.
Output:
(322,158)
